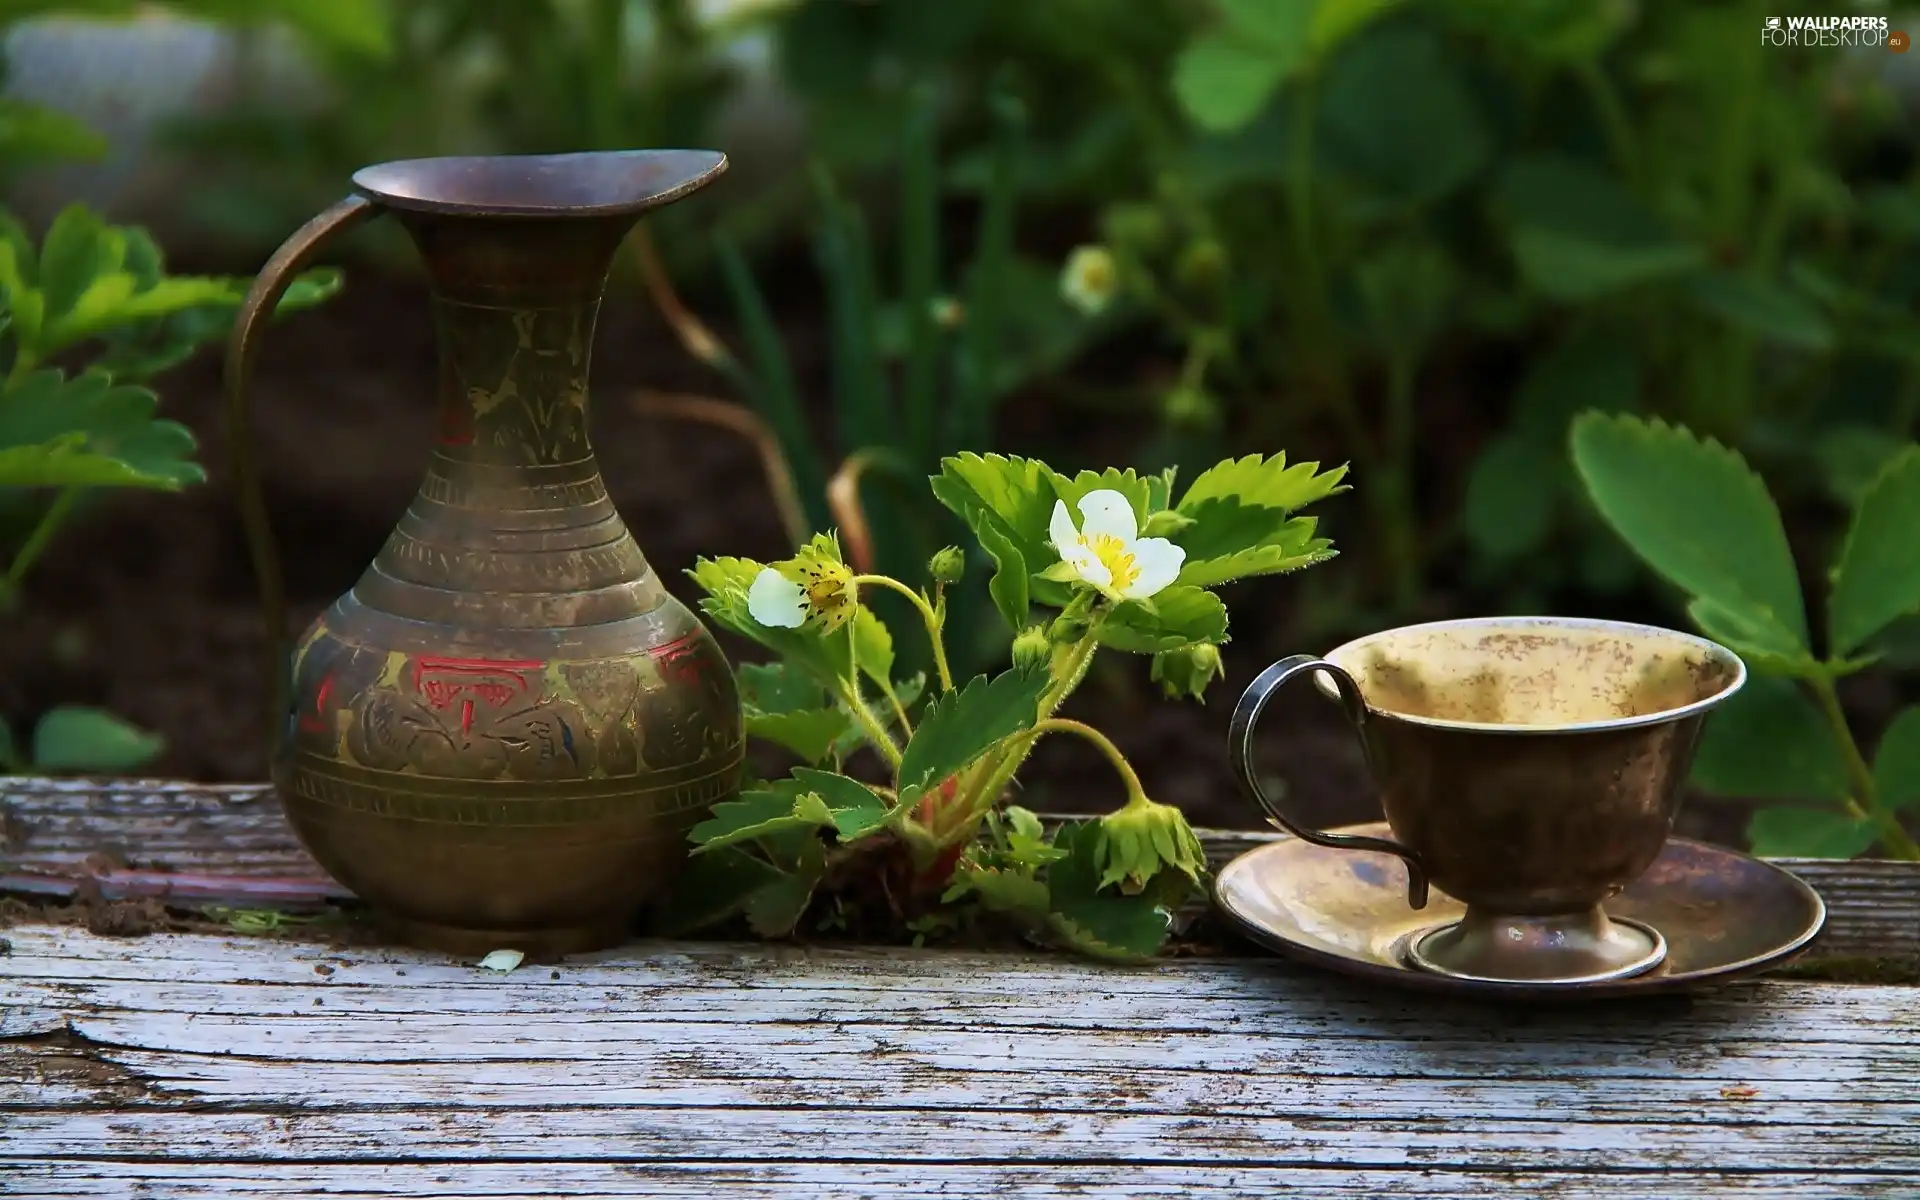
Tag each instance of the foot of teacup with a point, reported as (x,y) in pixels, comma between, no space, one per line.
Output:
(1584,947)
(538,945)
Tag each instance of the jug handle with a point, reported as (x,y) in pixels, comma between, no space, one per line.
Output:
(268,287)
(1240,749)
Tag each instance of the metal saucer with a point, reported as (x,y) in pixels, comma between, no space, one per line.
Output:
(1724,915)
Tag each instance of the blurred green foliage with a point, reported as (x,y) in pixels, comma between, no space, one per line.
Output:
(1424,233)
(88,316)
(1698,515)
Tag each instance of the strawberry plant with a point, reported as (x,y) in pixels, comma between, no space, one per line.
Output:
(1097,561)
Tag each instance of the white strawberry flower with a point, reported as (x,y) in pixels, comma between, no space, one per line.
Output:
(1107,551)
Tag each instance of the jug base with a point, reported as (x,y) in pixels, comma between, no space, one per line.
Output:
(540,945)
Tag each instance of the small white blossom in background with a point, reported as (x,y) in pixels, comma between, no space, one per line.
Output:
(949,313)
(1090,279)
(1107,551)
(503,960)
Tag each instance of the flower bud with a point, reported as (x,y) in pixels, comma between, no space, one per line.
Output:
(1189,407)
(1032,648)
(1188,671)
(1139,227)
(1202,264)
(1141,841)
(947,565)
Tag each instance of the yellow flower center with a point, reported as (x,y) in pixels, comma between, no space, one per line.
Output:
(1116,558)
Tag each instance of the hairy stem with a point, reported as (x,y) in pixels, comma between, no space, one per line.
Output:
(870,724)
(983,785)
(927,614)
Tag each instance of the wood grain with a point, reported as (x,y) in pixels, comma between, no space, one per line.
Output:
(231,844)
(199,1066)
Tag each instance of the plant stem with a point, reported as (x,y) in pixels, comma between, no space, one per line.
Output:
(927,615)
(43,532)
(1135,792)
(1864,804)
(899,709)
(870,724)
(985,783)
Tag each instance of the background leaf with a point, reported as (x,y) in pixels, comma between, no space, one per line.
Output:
(1769,741)
(91,740)
(1577,233)
(1699,516)
(1807,833)
(1764,307)
(1878,578)
(1896,761)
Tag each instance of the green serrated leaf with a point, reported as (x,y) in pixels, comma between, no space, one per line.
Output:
(1896,761)
(1756,642)
(1138,491)
(76,739)
(1002,891)
(1699,516)
(775,908)
(1026,839)
(64,462)
(1768,741)
(811,733)
(1183,616)
(1009,585)
(1121,928)
(872,646)
(1013,497)
(77,250)
(852,808)
(964,724)
(1261,560)
(1808,833)
(756,814)
(773,688)
(1877,580)
(709,889)
(1262,482)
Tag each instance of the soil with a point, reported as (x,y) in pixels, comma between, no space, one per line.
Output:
(149,608)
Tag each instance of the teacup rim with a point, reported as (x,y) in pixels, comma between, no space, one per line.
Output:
(1599,624)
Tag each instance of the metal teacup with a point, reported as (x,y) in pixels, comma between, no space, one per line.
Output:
(1530,767)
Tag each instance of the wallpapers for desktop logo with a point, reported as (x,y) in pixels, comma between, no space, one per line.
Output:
(1836,32)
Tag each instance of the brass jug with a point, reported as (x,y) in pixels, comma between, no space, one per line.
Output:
(500,736)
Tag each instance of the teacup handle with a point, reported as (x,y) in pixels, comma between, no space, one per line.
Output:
(1240,748)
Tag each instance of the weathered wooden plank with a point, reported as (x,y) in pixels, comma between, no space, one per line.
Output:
(287,1069)
(202,842)
(827,1179)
